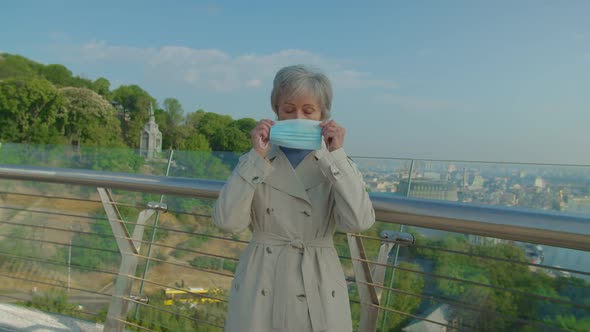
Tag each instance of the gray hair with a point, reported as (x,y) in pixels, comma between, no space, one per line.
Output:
(292,80)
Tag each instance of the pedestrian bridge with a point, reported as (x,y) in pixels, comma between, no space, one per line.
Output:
(124,247)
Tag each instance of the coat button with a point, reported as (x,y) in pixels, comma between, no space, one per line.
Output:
(335,171)
(306,213)
(269,250)
(333,293)
(301,297)
(255,179)
(265,291)
(269,210)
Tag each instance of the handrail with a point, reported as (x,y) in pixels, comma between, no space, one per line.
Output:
(532,226)
(168,185)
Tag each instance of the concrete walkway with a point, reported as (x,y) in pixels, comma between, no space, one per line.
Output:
(17,318)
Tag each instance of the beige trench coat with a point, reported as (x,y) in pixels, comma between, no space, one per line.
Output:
(289,277)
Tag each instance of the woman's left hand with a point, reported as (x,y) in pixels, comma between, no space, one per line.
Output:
(333,135)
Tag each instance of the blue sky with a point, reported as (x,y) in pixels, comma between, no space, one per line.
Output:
(470,80)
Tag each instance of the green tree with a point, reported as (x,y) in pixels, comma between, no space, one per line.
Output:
(92,120)
(102,86)
(223,133)
(203,165)
(57,74)
(170,123)
(12,66)
(245,125)
(109,159)
(572,323)
(410,283)
(193,141)
(194,118)
(97,249)
(61,76)
(31,111)
(135,104)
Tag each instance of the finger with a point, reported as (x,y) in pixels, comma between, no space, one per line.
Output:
(263,129)
(332,127)
(332,132)
(264,134)
(326,123)
(328,142)
(259,132)
(263,126)
(268,123)
(263,145)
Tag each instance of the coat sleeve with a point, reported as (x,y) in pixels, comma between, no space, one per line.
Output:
(232,210)
(353,209)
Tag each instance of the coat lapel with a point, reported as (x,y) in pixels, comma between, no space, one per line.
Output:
(309,172)
(283,177)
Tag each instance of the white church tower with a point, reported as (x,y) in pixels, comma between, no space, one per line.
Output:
(150,144)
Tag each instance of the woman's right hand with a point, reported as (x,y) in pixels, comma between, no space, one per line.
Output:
(260,137)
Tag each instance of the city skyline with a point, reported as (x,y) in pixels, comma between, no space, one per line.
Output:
(500,81)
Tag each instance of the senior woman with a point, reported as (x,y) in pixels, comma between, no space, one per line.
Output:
(289,277)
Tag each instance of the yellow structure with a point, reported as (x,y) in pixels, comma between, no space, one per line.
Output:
(194,295)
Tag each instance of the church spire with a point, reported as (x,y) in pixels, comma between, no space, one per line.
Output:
(151,138)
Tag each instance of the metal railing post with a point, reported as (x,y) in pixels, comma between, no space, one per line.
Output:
(364,282)
(396,253)
(369,279)
(129,247)
(154,230)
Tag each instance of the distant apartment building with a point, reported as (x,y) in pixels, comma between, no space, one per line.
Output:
(540,183)
(386,186)
(508,199)
(477,183)
(429,189)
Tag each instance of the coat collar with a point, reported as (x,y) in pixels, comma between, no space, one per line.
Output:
(294,182)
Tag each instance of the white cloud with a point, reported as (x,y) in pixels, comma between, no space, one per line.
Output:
(254,83)
(216,70)
(355,79)
(413,104)
(59,36)
(96,51)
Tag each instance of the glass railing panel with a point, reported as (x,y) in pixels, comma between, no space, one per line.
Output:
(465,282)
(194,164)
(539,296)
(562,188)
(57,252)
(187,252)
(443,274)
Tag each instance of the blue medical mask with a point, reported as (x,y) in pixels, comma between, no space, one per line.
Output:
(297,134)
